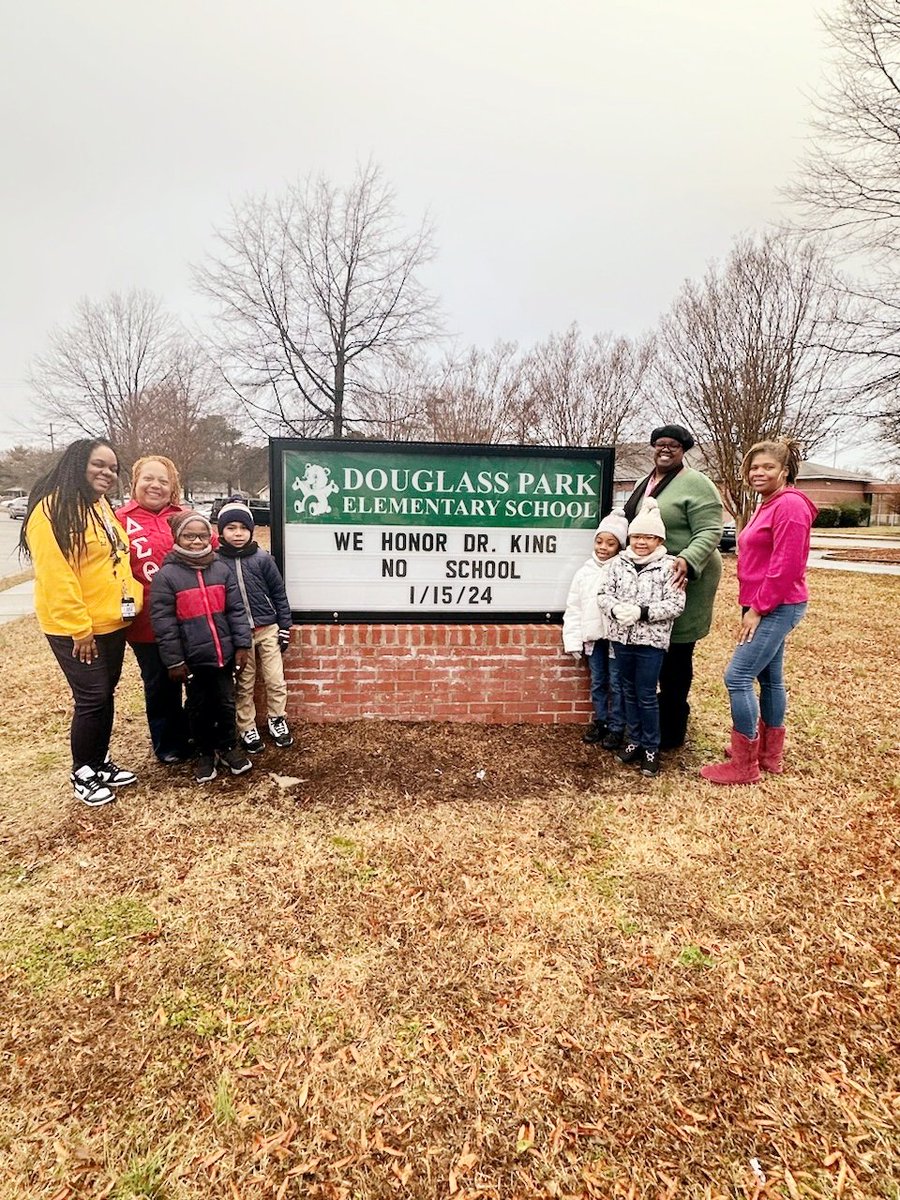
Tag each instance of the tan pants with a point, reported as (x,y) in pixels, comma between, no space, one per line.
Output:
(265,651)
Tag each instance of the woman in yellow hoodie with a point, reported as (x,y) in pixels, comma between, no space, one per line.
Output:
(84,597)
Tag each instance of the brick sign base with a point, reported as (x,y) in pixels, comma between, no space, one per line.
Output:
(492,674)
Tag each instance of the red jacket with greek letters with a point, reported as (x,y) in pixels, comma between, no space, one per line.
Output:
(150,539)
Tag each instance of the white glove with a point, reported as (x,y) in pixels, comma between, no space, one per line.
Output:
(626,614)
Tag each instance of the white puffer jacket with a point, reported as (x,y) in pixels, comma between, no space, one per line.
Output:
(652,588)
(583,621)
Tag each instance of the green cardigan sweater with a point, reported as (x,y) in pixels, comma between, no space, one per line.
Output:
(691,510)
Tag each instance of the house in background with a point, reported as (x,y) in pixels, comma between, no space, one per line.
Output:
(823,484)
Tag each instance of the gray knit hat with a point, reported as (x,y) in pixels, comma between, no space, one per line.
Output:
(178,521)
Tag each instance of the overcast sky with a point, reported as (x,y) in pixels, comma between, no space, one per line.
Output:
(579,159)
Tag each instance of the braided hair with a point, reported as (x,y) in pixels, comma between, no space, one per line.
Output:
(70,499)
(787,452)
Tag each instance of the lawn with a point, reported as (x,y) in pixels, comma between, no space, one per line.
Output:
(449,961)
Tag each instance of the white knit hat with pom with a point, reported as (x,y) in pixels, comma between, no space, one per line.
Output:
(616,523)
(648,521)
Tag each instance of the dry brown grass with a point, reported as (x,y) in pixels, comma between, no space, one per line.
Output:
(364,972)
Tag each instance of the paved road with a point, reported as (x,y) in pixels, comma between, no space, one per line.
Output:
(9,539)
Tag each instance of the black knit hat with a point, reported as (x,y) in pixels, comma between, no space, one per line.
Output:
(235,509)
(677,433)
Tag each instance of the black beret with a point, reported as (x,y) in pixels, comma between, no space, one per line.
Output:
(677,433)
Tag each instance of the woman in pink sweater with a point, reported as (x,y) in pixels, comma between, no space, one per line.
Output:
(772,551)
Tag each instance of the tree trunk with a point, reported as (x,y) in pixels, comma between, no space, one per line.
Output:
(337,424)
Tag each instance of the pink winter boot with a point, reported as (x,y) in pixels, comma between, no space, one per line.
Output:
(743,766)
(771,748)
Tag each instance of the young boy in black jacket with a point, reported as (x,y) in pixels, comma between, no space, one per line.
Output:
(267,608)
(204,639)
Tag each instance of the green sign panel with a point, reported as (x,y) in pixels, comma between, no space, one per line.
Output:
(338,487)
(414,532)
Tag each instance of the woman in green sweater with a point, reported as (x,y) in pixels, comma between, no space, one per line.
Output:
(691,509)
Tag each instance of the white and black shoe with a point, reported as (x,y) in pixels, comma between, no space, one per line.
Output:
(235,760)
(205,768)
(90,789)
(115,776)
(251,741)
(281,735)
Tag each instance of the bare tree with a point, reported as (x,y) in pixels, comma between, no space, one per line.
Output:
(477,396)
(124,369)
(586,392)
(754,351)
(848,187)
(313,290)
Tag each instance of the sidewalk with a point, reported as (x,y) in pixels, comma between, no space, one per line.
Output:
(17,601)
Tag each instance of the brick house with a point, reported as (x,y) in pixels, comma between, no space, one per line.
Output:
(823,484)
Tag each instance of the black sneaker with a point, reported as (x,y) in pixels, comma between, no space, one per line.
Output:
(114,776)
(613,739)
(281,735)
(630,752)
(594,733)
(205,770)
(236,761)
(90,789)
(650,765)
(251,741)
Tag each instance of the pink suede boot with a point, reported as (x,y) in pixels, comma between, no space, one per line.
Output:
(743,766)
(771,748)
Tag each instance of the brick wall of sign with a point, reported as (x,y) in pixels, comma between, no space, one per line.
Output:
(493,674)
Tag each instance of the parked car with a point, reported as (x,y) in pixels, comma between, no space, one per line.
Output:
(259,509)
(17,508)
(728,540)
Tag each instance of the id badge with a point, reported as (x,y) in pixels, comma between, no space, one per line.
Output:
(129,611)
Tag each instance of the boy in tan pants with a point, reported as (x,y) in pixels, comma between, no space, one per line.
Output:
(266,602)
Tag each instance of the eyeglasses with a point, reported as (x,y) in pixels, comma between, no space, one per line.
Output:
(194,537)
(661,445)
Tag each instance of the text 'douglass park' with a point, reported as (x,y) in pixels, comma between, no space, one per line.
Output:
(413,532)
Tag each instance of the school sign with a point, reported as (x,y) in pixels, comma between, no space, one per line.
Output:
(396,531)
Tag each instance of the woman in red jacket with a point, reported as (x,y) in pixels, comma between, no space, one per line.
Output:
(772,551)
(155,496)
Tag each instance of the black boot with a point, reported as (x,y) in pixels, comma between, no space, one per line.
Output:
(613,739)
(673,726)
(594,733)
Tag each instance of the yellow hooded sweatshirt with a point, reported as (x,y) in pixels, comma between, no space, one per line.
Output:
(74,598)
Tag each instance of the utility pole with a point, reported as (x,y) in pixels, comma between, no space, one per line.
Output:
(52,447)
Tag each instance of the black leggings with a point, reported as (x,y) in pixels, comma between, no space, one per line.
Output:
(93,688)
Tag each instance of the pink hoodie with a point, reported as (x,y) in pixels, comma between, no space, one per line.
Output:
(772,551)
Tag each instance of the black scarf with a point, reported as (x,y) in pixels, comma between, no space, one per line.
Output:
(633,503)
(229,551)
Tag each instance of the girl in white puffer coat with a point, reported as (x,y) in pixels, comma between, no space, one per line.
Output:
(586,631)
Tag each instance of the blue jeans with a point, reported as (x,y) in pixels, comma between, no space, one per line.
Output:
(606,690)
(639,668)
(762,659)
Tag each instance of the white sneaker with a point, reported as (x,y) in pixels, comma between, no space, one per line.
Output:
(281,735)
(115,776)
(90,789)
(251,741)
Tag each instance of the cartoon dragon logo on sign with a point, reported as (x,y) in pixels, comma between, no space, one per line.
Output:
(316,486)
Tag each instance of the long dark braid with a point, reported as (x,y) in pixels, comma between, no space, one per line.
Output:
(70,508)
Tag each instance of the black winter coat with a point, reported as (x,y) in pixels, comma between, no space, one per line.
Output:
(197,614)
(262,583)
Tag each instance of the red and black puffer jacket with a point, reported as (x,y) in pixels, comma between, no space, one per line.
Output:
(197,613)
